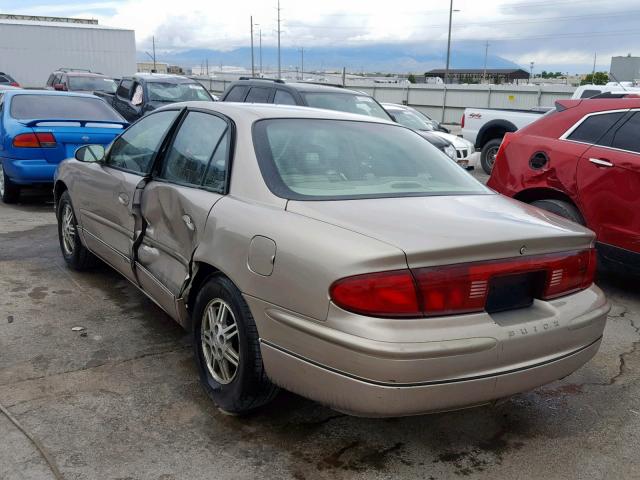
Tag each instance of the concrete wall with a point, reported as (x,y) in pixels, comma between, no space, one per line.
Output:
(30,51)
(429,98)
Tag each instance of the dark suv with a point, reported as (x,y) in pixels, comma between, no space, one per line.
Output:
(76,80)
(317,95)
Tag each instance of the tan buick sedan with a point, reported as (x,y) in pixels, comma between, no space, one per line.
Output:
(338,256)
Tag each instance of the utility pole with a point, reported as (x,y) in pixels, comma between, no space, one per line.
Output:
(279,66)
(486,54)
(446,70)
(153,39)
(595,56)
(260,35)
(207,67)
(531,72)
(302,63)
(253,67)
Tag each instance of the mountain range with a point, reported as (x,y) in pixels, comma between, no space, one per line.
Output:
(373,58)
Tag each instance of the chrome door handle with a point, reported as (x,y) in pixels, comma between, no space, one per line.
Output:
(600,162)
(188,222)
(123,198)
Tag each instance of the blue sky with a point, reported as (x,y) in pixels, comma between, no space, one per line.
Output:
(556,34)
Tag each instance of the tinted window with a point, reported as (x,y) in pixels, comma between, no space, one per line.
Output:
(330,159)
(284,98)
(57,79)
(92,84)
(258,95)
(124,88)
(589,93)
(50,80)
(193,148)
(236,94)
(628,135)
(346,102)
(594,127)
(176,92)
(4,79)
(216,176)
(60,107)
(134,149)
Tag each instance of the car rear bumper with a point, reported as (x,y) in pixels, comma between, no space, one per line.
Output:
(386,367)
(26,172)
(361,397)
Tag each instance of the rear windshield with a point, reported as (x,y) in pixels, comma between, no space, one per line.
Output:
(313,159)
(411,120)
(176,92)
(92,84)
(345,102)
(61,107)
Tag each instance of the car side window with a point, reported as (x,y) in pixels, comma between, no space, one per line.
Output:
(590,93)
(258,95)
(124,89)
(218,170)
(284,98)
(593,128)
(50,80)
(135,149)
(193,149)
(137,96)
(57,79)
(627,137)
(236,94)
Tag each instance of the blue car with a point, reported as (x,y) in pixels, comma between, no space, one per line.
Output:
(39,129)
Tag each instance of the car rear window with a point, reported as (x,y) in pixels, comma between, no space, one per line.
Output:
(92,84)
(61,107)
(595,127)
(346,102)
(316,159)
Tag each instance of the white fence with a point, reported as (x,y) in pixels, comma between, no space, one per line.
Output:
(430,98)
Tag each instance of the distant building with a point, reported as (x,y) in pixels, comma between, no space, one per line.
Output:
(475,75)
(625,69)
(148,67)
(175,69)
(34,46)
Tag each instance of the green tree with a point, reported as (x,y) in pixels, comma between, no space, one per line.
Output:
(411,78)
(599,78)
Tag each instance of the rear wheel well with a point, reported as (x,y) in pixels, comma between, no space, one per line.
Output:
(533,194)
(202,272)
(493,132)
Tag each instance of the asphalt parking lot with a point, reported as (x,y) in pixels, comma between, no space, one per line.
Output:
(120,399)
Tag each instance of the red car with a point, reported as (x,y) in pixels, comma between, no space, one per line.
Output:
(581,161)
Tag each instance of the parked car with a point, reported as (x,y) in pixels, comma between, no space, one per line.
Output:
(39,129)
(8,80)
(581,162)
(309,94)
(320,251)
(485,127)
(590,91)
(144,92)
(75,80)
(409,117)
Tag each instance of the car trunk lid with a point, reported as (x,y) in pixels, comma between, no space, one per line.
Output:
(443,230)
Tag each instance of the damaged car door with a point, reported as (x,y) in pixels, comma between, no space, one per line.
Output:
(187,182)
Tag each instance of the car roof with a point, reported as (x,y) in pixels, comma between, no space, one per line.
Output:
(83,74)
(20,91)
(395,106)
(268,110)
(298,86)
(162,77)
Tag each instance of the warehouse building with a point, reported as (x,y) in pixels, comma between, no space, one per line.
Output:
(477,75)
(33,47)
(625,69)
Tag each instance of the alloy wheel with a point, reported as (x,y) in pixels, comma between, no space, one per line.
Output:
(492,153)
(220,344)
(68,230)
(1,181)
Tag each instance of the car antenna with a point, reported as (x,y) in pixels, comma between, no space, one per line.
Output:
(614,77)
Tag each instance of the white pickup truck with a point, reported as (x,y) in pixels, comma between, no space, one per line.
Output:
(485,127)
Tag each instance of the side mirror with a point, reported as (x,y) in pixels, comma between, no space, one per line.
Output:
(59,86)
(90,153)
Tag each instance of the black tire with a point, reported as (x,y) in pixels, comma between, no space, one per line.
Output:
(9,191)
(76,254)
(562,208)
(488,154)
(250,387)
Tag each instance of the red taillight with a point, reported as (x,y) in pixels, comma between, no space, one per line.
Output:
(462,121)
(14,84)
(34,140)
(385,294)
(460,288)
